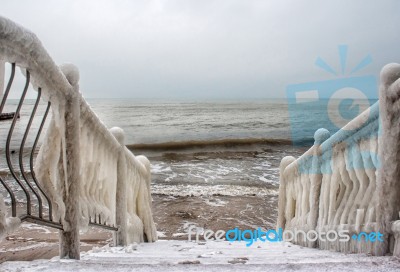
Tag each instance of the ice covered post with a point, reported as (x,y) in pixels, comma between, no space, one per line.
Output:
(283,179)
(316,174)
(388,182)
(69,237)
(299,206)
(120,236)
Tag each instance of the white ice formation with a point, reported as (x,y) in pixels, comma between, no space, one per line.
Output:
(84,168)
(350,180)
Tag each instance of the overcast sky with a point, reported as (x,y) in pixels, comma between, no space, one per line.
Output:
(208,49)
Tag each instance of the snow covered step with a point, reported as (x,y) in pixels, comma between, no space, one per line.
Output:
(210,256)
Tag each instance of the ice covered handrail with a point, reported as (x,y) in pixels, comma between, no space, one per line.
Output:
(341,184)
(85,170)
(325,144)
(21,46)
(332,188)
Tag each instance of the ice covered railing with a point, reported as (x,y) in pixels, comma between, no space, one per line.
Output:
(83,174)
(349,181)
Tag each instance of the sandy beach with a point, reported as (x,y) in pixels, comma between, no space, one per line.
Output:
(173,215)
(184,198)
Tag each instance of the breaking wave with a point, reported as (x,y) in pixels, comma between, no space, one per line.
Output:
(222,143)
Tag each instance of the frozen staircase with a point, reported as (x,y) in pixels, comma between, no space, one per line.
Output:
(211,256)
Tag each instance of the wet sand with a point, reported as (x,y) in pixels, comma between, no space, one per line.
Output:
(172,214)
(183,201)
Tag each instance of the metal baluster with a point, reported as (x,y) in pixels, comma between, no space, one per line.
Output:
(32,155)
(10,81)
(21,153)
(9,163)
(3,102)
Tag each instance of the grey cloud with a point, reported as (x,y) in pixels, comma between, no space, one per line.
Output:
(221,48)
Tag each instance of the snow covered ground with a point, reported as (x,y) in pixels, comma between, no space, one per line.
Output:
(211,256)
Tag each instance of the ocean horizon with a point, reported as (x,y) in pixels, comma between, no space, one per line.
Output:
(197,142)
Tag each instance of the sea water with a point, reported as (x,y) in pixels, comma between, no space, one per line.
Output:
(205,146)
(195,146)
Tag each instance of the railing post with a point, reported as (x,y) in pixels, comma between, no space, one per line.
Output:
(281,223)
(120,236)
(69,237)
(2,74)
(388,182)
(316,174)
